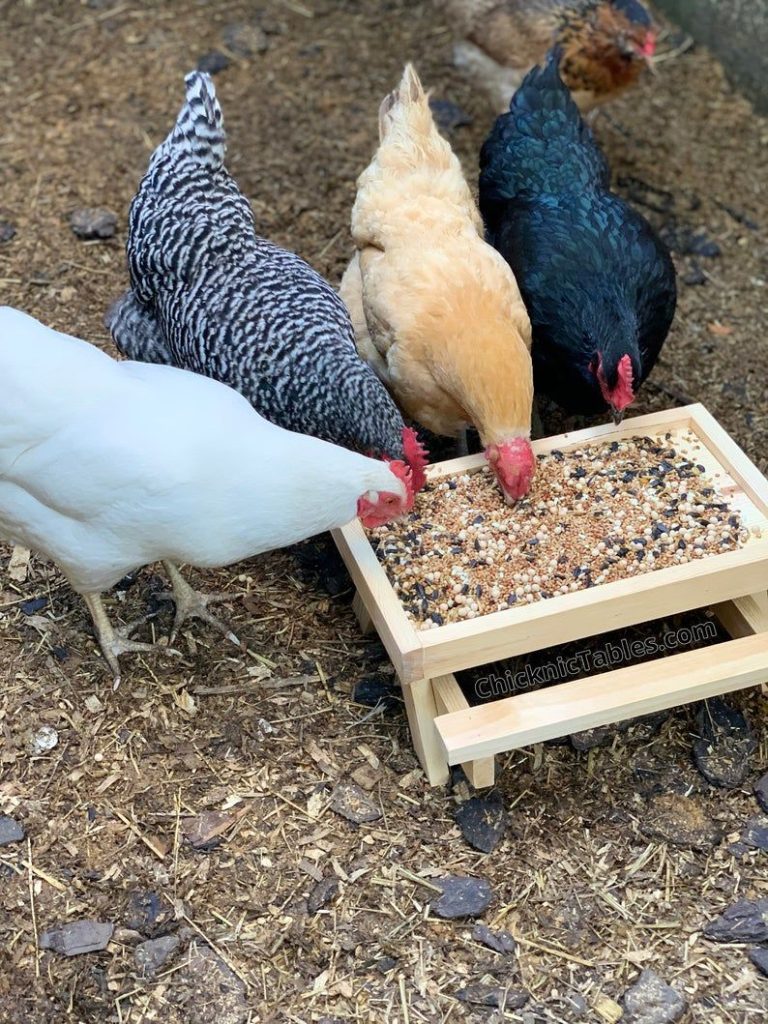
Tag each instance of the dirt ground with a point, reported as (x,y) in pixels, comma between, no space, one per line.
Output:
(613,859)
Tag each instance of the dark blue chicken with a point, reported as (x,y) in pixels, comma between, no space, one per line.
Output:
(598,283)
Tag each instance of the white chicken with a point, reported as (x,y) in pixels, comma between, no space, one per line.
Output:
(106,466)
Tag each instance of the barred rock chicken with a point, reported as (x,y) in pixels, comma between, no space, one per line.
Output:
(106,466)
(436,311)
(598,283)
(208,294)
(606,44)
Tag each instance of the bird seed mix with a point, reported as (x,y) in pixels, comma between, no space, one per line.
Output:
(594,514)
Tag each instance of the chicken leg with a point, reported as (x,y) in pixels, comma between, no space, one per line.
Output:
(114,642)
(190,604)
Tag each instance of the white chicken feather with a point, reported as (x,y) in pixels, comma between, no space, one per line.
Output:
(106,466)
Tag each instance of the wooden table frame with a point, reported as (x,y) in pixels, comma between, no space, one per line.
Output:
(447,731)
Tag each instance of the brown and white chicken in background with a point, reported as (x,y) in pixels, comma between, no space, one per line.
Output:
(437,312)
(605,44)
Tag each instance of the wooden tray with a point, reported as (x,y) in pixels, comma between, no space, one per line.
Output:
(446,730)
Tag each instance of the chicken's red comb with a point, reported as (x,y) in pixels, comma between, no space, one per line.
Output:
(416,456)
(404,473)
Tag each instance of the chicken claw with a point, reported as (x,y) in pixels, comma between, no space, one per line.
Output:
(115,641)
(191,604)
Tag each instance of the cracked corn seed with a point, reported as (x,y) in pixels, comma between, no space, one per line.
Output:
(594,515)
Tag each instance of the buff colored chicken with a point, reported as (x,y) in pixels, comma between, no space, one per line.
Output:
(436,310)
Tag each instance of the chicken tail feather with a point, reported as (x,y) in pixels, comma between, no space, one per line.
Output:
(199,129)
(407,99)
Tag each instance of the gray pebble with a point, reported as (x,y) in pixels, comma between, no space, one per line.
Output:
(482,821)
(212,63)
(651,1001)
(759,957)
(93,222)
(462,897)
(10,830)
(150,956)
(761,792)
(497,996)
(499,942)
(78,937)
(745,921)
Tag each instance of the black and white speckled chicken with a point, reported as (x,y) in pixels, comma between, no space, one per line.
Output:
(208,294)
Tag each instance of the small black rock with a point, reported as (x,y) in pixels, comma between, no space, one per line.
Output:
(497,996)
(499,942)
(34,606)
(761,792)
(651,1001)
(725,746)
(745,921)
(755,833)
(151,955)
(7,231)
(11,830)
(462,897)
(482,821)
(78,937)
(244,39)
(149,913)
(323,893)
(212,63)
(759,958)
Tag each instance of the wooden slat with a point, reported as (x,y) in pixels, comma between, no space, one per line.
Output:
(584,613)
(729,455)
(745,615)
(598,700)
(362,614)
(376,594)
(422,711)
(449,698)
(653,423)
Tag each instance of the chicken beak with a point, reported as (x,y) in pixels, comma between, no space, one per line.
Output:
(618,415)
(650,63)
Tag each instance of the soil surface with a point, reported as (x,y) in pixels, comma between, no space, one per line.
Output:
(210,797)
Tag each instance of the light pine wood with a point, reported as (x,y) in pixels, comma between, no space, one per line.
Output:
(449,698)
(375,593)
(655,423)
(362,614)
(614,696)
(422,712)
(584,613)
(745,615)
(728,454)
(733,582)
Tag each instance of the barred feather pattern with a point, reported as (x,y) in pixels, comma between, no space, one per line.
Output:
(209,295)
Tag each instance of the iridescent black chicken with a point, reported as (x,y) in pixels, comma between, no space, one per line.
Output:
(598,283)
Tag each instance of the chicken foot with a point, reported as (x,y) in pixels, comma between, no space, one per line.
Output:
(191,604)
(116,641)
